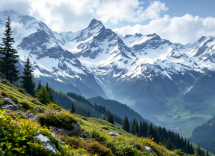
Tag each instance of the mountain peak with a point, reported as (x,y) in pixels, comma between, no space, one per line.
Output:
(154,36)
(95,22)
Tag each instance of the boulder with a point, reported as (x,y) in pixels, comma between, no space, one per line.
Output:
(47,143)
(76,127)
(41,110)
(31,116)
(147,148)
(114,134)
(10,104)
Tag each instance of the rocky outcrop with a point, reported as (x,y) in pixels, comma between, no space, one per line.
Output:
(75,127)
(114,134)
(9,104)
(47,143)
(147,148)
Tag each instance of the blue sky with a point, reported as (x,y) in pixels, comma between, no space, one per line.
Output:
(182,21)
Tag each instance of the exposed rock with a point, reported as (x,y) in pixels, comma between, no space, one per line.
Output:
(149,150)
(31,116)
(10,104)
(41,110)
(47,143)
(114,134)
(76,127)
(84,134)
(172,153)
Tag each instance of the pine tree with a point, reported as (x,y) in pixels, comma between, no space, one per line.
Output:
(110,118)
(58,103)
(169,144)
(27,78)
(150,131)
(133,126)
(50,92)
(9,57)
(43,95)
(207,154)
(136,128)
(198,151)
(73,108)
(39,86)
(125,125)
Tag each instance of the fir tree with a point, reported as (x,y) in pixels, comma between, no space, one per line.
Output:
(39,86)
(27,78)
(150,131)
(125,125)
(9,56)
(43,95)
(136,128)
(110,118)
(50,92)
(73,108)
(207,154)
(58,103)
(133,126)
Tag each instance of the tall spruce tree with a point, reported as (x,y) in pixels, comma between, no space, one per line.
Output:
(58,103)
(9,57)
(110,118)
(43,95)
(27,78)
(73,108)
(125,125)
(50,92)
(39,86)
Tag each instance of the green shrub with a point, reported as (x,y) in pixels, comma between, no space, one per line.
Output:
(105,127)
(98,137)
(25,105)
(52,118)
(97,148)
(1,102)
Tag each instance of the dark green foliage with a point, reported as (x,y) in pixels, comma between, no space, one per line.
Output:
(39,86)
(110,118)
(9,57)
(205,136)
(48,89)
(73,108)
(117,108)
(125,125)
(27,78)
(58,103)
(43,96)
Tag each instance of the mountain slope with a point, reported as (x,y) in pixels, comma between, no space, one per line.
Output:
(49,60)
(204,135)
(115,107)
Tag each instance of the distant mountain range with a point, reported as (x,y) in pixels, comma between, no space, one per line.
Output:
(154,76)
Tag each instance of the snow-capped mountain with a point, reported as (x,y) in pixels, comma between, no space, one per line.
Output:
(144,71)
(50,61)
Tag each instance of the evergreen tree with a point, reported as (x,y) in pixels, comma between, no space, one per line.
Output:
(150,131)
(39,86)
(136,128)
(9,56)
(207,154)
(73,108)
(49,91)
(110,118)
(125,125)
(169,144)
(133,128)
(43,95)
(27,78)
(58,103)
(198,151)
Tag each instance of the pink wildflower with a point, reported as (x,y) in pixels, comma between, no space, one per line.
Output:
(28,112)
(55,129)
(35,138)
(59,130)
(8,111)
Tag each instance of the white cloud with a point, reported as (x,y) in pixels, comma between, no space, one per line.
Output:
(76,14)
(186,29)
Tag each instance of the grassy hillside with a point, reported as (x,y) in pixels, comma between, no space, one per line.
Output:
(18,131)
